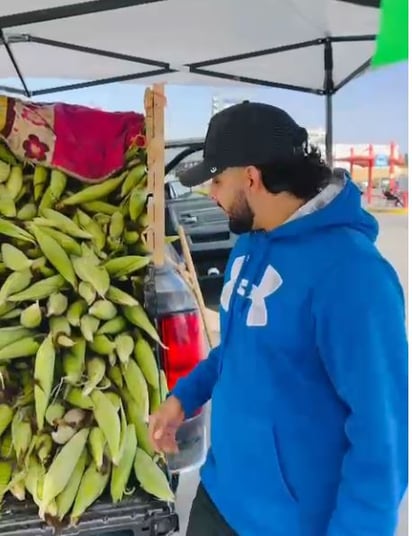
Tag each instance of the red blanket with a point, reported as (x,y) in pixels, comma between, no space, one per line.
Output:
(85,143)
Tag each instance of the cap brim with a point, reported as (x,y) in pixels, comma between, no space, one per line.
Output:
(195,175)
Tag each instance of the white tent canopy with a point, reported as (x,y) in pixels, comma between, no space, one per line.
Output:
(315,46)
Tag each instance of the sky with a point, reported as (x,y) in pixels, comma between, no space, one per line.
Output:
(371,109)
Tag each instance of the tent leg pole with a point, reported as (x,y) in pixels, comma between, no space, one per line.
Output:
(329,131)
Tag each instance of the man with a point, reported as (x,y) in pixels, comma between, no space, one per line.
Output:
(309,382)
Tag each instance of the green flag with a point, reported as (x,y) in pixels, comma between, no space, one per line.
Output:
(392,40)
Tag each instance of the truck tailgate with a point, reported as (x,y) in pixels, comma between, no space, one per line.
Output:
(134,516)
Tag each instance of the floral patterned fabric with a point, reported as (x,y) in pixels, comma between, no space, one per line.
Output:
(85,143)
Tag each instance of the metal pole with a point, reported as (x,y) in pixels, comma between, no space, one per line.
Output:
(329,130)
(329,90)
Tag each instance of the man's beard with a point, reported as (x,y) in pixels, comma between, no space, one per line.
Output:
(241,216)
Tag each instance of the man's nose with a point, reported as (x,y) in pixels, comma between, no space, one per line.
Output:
(212,193)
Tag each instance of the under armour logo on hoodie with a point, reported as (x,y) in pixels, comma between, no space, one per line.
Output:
(258,313)
(270,283)
(229,286)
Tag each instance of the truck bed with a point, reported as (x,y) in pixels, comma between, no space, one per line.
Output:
(140,515)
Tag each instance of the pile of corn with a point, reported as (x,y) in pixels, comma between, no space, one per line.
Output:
(78,375)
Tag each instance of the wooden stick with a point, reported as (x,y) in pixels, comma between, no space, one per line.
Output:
(154,107)
(195,282)
(159,167)
(148,104)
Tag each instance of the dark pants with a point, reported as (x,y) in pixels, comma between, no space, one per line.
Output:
(205,519)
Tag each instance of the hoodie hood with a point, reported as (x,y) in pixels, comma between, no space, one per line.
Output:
(339,204)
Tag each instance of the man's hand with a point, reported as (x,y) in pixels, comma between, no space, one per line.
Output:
(163,425)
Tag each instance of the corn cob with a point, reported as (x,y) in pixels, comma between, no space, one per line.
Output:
(59,325)
(137,387)
(57,304)
(7,207)
(4,171)
(6,447)
(102,345)
(16,282)
(6,308)
(120,297)
(39,181)
(54,413)
(40,290)
(114,399)
(99,207)
(16,485)
(12,334)
(94,192)
(31,317)
(134,176)
(131,237)
(27,212)
(146,360)
(87,292)
(15,181)
(58,181)
(14,259)
(21,434)
(6,470)
(92,227)
(96,276)
(75,311)
(25,347)
(164,389)
(135,417)
(137,316)
(137,203)
(103,310)
(88,327)
(13,231)
(76,398)
(121,473)
(96,368)
(43,446)
(56,255)
(124,345)
(113,327)
(122,266)
(43,378)
(97,443)
(6,416)
(115,375)
(92,485)
(74,362)
(68,243)
(12,314)
(116,226)
(151,477)
(66,498)
(155,399)
(108,421)
(62,467)
(34,475)
(55,219)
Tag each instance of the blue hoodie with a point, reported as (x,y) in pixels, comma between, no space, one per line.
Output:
(309,382)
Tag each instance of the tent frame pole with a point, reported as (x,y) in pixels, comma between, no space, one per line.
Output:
(329,89)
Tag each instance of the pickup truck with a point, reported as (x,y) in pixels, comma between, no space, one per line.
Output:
(205,224)
(172,306)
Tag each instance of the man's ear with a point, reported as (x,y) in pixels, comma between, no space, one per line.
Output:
(254,178)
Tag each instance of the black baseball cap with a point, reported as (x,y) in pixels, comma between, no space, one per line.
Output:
(249,133)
